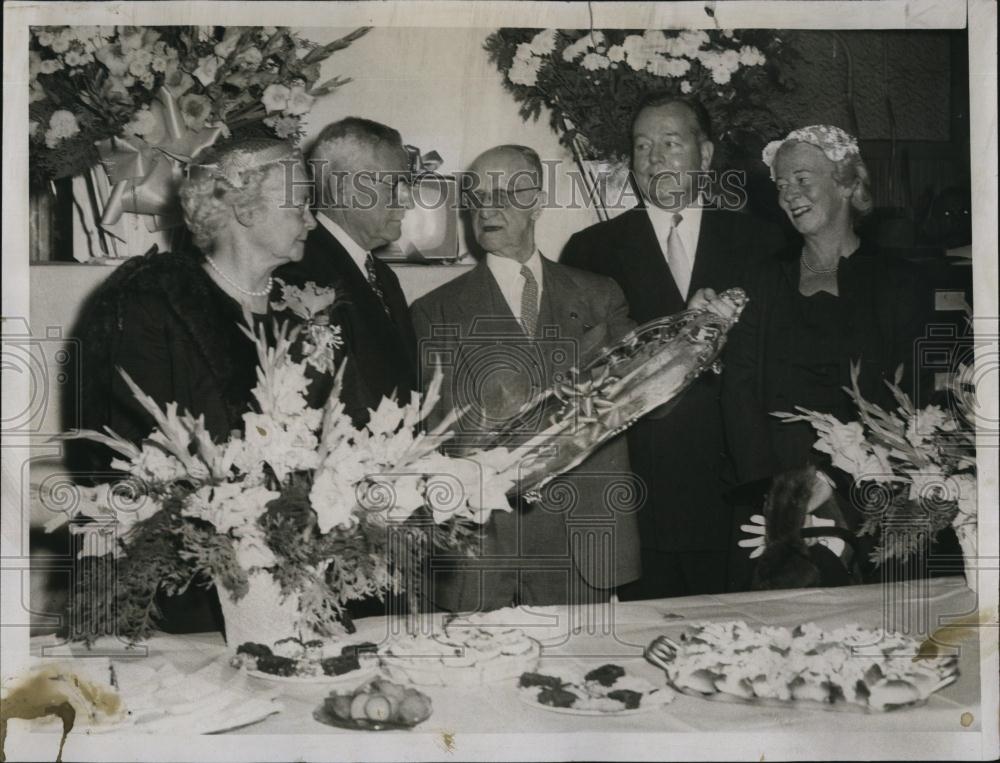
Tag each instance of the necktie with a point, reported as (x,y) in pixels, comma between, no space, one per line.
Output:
(373,282)
(529,301)
(677,258)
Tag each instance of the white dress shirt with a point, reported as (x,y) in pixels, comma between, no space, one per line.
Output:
(358,255)
(688,230)
(507,273)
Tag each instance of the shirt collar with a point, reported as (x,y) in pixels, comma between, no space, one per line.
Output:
(508,271)
(357,253)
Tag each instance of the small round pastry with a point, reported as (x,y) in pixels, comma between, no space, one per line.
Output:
(339,705)
(358,707)
(291,648)
(888,693)
(378,708)
(414,708)
(811,691)
(701,681)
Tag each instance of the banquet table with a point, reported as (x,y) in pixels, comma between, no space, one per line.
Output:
(917,606)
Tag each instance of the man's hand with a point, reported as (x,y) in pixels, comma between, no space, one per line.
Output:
(708,299)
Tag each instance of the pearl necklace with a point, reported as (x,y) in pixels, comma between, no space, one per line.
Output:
(819,271)
(262,293)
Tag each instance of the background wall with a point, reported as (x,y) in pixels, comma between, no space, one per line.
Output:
(904,93)
(439,89)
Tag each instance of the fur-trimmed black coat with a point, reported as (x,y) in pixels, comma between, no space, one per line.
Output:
(162,320)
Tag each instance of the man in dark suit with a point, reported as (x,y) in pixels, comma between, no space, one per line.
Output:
(502,333)
(361,173)
(672,246)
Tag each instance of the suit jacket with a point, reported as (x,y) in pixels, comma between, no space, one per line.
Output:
(491,367)
(380,349)
(680,457)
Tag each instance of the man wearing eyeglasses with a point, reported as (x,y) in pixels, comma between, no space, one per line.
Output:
(361,172)
(502,333)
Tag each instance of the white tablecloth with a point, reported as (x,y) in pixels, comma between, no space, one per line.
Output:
(919,607)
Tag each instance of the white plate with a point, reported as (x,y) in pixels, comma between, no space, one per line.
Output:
(840,706)
(237,711)
(650,701)
(352,678)
(442,671)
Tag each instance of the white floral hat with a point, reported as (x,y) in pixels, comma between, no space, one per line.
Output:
(835,143)
(230,163)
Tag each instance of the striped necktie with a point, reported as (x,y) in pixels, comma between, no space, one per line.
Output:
(529,301)
(373,282)
(677,259)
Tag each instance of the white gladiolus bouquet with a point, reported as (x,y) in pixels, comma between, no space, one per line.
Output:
(301,496)
(914,470)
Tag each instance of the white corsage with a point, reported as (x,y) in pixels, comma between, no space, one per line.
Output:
(320,338)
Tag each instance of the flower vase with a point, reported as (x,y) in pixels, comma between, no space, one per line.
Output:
(263,615)
(969,543)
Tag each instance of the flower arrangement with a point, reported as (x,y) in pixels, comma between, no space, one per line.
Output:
(316,513)
(88,84)
(591,81)
(914,470)
(301,497)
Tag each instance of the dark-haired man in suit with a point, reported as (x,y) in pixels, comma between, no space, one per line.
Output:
(661,253)
(361,173)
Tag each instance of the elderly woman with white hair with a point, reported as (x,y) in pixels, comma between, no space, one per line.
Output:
(831,300)
(172,320)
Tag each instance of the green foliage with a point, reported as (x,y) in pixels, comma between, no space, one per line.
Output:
(117,596)
(905,529)
(213,555)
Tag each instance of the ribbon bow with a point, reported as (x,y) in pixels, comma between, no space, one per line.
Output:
(423,164)
(587,400)
(146,176)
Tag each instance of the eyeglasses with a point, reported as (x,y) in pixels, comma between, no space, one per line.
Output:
(499,199)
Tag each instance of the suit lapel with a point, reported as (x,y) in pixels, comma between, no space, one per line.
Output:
(560,305)
(395,300)
(381,347)
(653,291)
(482,306)
(712,253)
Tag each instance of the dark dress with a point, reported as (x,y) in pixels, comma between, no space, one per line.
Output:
(790,350)
(165,322)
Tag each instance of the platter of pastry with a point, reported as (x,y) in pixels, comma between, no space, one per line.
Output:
(602,691)
(292,660)
(466,651)
(847,668)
